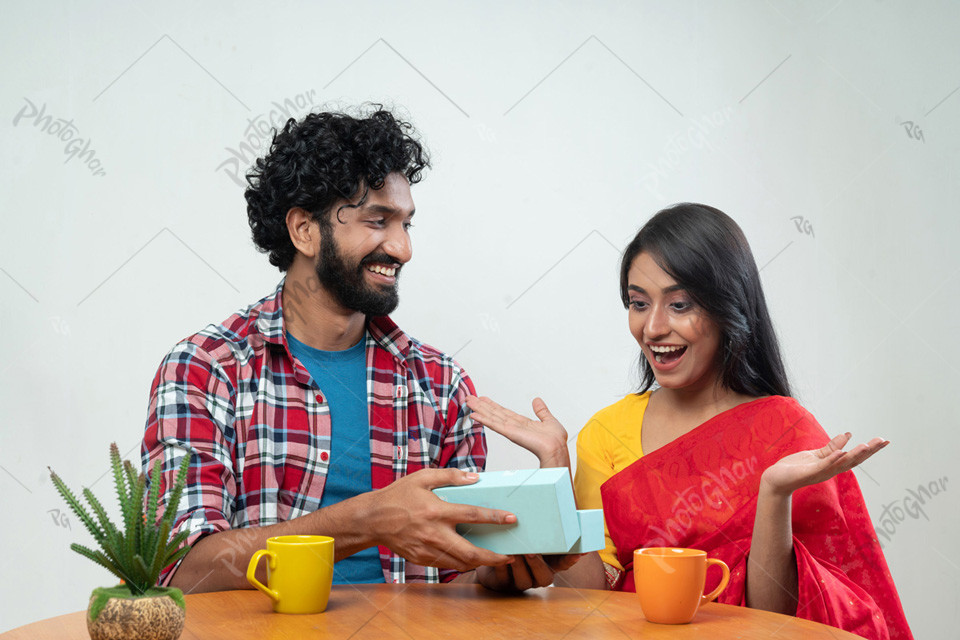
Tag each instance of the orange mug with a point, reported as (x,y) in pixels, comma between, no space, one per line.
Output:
(670,582)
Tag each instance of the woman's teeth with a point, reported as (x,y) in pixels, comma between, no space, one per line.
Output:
(659,352)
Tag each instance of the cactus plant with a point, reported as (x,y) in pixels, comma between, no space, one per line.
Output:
(137,552)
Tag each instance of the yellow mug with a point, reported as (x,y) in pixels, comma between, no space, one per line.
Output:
(299,572)
(670,582)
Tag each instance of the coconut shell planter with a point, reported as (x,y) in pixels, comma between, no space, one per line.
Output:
(115,614)
(136,553)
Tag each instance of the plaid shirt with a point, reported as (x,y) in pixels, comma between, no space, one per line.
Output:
(259,427)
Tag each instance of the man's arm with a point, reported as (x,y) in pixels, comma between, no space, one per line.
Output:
(191,410)
(464,445)
(405,517)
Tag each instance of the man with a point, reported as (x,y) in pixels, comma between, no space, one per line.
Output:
(311,412)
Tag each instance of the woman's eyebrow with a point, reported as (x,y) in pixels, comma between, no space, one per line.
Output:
(670,289)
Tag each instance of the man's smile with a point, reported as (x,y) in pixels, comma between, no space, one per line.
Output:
(382,269)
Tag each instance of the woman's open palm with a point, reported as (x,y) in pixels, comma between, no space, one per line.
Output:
(805,468)
(545,437)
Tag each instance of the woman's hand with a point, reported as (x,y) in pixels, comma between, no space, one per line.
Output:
(772,580)
(529,571)
(545,438)
(805,468)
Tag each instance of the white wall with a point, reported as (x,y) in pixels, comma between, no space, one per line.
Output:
(556,130)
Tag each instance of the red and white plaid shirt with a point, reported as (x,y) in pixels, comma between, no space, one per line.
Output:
(259,428)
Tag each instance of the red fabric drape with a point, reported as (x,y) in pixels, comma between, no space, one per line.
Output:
(700,491)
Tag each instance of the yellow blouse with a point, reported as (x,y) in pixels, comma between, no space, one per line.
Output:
(608,444)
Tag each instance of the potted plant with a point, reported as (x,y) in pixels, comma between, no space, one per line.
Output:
(135,553)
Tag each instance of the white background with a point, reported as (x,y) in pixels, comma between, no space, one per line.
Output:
(556,130)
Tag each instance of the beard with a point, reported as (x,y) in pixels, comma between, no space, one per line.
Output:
(347,284)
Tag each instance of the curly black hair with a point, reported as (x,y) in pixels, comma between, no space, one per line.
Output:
(323,158)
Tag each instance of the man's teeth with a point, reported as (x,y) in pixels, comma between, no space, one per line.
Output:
(385,271)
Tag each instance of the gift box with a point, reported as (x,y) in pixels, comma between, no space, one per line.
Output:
(548,521)
(591,531)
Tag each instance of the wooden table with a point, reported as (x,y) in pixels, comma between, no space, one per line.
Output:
(453,610)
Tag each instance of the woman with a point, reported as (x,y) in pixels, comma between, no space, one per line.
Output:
(718,457)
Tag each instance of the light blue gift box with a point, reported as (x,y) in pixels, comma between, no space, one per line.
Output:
(547,518)
(591,531)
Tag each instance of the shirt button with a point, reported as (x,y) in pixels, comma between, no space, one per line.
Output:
(324,456)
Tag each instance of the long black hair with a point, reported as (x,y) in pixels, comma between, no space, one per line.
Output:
(705,251)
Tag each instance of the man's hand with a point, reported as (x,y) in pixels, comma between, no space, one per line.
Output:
(410,520)
(528,571)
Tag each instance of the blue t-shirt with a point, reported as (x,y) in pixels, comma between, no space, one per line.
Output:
(342,379)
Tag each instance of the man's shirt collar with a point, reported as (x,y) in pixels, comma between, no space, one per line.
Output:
(382,329)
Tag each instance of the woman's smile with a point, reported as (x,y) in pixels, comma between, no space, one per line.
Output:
(677,337)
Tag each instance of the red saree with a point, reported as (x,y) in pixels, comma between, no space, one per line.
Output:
(700,491)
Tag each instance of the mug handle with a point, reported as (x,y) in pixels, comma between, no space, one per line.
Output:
(272,563)
(710,597)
